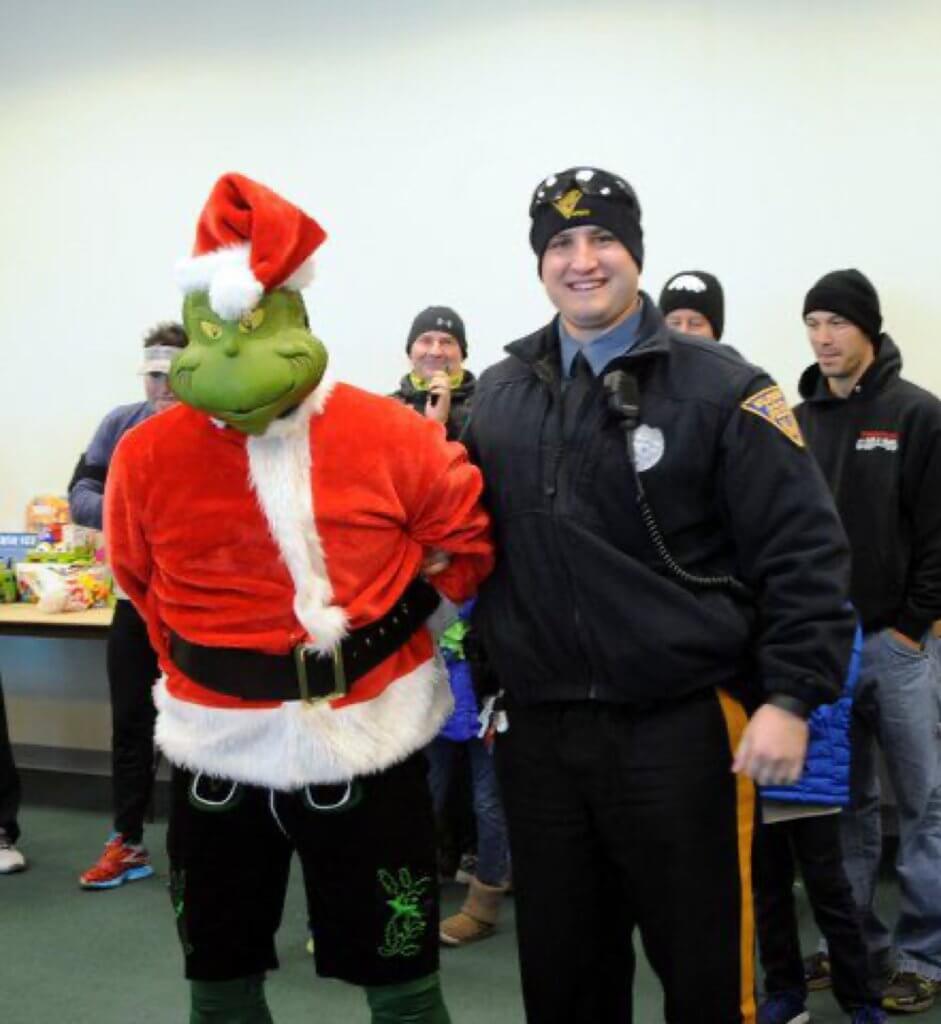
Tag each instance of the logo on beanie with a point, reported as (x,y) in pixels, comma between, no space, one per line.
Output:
(687,283)
(568,203)
(441,322)
(770,405)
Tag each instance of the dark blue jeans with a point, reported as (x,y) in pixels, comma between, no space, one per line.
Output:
(492,847)
(898,707)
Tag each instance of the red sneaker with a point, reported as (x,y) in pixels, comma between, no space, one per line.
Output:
(119,863)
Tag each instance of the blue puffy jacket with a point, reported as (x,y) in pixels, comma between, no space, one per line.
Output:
(826,776)
(463,724)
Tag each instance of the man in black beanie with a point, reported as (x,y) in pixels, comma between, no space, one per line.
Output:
(668,556)
(878,441)
(692,303)
(438,386)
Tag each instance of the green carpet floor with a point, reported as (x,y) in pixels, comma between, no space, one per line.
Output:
(74,957)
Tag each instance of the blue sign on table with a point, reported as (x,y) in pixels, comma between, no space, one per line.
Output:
(15,546)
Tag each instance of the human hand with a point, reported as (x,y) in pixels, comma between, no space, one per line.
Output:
(773,747)
(435,561)
(906,641)
(438,406)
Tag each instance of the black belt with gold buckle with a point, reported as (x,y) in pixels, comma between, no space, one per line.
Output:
(305,673)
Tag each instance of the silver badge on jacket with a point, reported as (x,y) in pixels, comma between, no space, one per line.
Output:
(648,447)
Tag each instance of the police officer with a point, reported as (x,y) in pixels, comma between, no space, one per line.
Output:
(668,556)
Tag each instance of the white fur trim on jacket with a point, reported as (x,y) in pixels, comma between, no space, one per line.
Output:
(226,274)
(296,744)
(279,466)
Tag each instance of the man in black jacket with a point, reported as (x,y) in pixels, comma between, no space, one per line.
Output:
(438,385)
(628,641)
(878,440)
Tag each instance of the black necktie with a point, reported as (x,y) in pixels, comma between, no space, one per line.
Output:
(579,384)
(581,369)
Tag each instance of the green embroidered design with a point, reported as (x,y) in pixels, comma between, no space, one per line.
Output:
(409,919)
(178,900)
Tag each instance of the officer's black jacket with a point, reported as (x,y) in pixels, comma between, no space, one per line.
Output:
(580,605)
(880,451)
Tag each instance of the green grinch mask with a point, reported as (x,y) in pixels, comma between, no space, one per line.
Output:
(250,371)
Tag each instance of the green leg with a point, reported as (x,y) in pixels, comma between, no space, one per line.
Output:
(414,1002)
(240,1001)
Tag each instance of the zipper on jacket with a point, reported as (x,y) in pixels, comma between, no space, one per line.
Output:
(549,378)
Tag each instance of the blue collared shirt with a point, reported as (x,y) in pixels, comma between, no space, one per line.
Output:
(602,350)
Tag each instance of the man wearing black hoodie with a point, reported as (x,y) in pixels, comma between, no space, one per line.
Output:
(877,438)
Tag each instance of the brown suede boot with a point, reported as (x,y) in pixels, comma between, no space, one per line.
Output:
(477,919)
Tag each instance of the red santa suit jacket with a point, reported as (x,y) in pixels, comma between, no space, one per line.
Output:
(313,529)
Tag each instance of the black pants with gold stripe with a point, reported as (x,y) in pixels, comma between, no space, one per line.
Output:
(619,820)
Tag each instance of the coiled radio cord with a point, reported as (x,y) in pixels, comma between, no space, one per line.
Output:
(624,402)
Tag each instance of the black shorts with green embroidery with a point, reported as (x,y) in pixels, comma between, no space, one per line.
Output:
(367,851)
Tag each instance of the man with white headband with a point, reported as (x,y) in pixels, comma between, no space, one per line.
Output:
(132,664)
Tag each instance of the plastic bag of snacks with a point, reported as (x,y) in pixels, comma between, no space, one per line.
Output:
(64,586)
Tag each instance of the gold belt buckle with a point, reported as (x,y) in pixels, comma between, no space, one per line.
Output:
(339,674)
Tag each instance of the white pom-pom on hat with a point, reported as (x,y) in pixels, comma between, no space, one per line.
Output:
(249,240)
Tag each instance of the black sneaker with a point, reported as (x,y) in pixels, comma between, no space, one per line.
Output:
(817,971)
(783,1008)
(869,1015)
(908,992)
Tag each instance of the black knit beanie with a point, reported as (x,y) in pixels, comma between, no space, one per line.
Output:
(851,294)
(586,195)
(695,289)
(438,318)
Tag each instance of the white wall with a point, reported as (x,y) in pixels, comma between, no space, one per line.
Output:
(769,142)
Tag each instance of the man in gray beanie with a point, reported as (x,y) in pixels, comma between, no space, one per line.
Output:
(438,386)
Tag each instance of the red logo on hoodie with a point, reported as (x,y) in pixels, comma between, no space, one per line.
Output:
(870,440)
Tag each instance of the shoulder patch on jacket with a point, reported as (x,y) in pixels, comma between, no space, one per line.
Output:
(771,405)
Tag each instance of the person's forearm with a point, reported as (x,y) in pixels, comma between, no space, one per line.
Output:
(86,503)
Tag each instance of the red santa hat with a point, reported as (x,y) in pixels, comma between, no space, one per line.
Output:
(248,241)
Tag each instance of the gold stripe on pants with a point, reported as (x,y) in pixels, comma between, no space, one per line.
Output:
(735,722)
